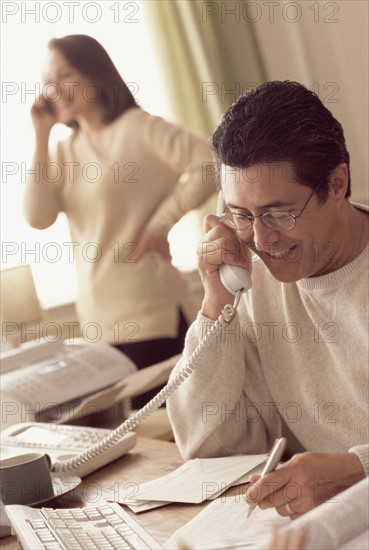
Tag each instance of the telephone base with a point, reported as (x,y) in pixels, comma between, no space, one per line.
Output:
(61,441)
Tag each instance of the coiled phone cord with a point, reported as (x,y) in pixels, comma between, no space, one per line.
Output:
(228,313)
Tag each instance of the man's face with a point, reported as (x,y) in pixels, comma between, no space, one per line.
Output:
(311,247)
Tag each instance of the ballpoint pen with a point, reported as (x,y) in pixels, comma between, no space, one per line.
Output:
(275,456)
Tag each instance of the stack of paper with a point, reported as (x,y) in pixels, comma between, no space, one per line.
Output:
(193,482)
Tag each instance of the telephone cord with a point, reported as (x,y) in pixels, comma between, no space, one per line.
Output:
(228,313)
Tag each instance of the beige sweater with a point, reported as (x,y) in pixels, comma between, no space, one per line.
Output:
(296,351)
(144,172)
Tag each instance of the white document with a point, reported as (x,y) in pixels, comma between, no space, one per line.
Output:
(198,479)
(138,506)
(193,482)
(223,524)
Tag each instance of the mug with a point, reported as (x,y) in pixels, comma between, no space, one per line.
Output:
(24,479)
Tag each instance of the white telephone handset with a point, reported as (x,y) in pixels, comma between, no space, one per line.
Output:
(233,277)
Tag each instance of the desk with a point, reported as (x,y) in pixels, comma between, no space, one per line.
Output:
(149,459)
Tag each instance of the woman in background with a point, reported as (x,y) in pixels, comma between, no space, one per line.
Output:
(123,179)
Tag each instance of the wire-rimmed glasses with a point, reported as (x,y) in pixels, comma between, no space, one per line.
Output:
(280,221)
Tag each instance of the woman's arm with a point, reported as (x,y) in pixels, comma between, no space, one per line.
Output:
(189,156)
(41,203)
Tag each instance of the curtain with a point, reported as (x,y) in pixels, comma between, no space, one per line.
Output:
(208,57)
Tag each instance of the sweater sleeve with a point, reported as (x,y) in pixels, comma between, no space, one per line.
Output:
(218,410)
(42,196)
(362,452)
(189,157)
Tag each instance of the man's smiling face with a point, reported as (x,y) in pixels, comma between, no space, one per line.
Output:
(311,247)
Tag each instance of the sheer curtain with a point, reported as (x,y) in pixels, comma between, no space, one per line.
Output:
(208,56)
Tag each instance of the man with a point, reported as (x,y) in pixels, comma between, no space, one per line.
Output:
(297,351)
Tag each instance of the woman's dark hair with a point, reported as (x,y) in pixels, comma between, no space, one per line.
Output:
(282,122)
(87,55)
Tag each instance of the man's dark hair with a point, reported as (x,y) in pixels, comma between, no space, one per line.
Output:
(282,122)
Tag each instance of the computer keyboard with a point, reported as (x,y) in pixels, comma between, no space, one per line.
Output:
(104,527)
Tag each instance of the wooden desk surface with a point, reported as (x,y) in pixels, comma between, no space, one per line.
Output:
(149,459)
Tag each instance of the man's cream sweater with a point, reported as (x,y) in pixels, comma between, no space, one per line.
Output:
(297,352)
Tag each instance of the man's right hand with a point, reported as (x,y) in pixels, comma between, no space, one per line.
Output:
(219,246)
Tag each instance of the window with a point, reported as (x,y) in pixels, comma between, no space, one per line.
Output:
(122,29)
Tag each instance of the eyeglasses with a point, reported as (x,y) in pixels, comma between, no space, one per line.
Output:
(280,221)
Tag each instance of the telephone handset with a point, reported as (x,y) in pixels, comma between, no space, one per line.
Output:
(233,277)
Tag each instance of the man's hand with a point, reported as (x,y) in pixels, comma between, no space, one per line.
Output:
(148,241)
(219,246)
(305,481)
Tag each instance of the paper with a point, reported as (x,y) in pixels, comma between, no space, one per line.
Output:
(136,383)
(223,524)
(193,482)
(138,506)
(243,479)
(198,479)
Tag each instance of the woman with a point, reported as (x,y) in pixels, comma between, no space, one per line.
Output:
(123,178)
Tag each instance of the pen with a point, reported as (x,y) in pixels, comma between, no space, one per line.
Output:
(275,456)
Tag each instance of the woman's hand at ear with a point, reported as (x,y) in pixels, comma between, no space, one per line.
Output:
(43,116)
